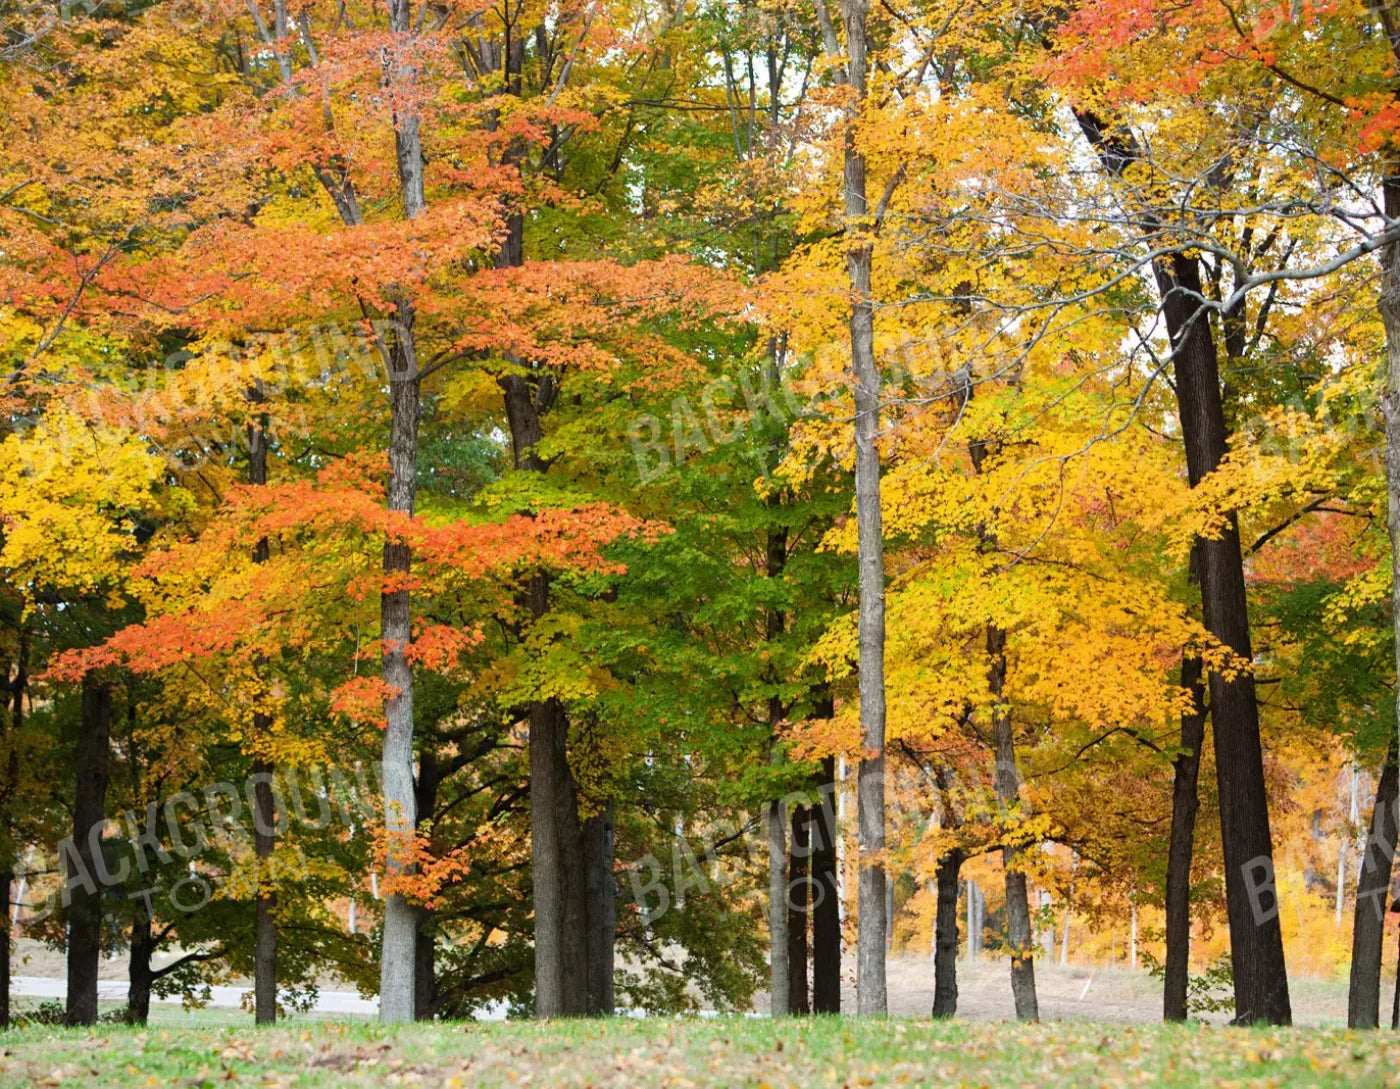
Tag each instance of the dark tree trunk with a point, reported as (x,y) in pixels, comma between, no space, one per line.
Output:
(1008,783)
(798,899)
(1372,894)
(1185,802)
(139,973)
(826,902)
(598,845)
(264,815)
(265,935)
(7,879)
(779,971)
(1256,940)
(945,935)
(89,812)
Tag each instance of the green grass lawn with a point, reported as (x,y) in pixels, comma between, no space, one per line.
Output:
(725,1052)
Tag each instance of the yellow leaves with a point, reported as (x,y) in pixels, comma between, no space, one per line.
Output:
(70,493)
(472,392)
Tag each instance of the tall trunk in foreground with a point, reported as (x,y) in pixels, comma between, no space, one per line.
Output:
(89,813)
(1185,802)
(799,855)
(1008,783)
(871,1000)
(1372,896)
(826,904)
(1252,908)
(397,951)
(945,934)
(1256,939)
(264,816)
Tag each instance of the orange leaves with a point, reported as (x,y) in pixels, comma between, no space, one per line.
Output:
(411,868)
(362,700)
(438,647)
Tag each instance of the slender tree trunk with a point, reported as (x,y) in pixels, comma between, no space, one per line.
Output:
(1372,894)
(11,739)
(1008,784)
(1185,802)
(871,998)
(89,812)
(264,816)
(779,972)
(799,855)
(945,935)
(1256,940)
(398,954)
(826,903)
(139,974)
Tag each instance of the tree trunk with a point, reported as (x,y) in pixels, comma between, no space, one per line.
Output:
(870,778)
(1372,894)
(779,971)
(1185,802)
(398,957)
(778,977)
(11,738)
(1008,783)
(139,974)
(599,852)
(89,812)
(1389,305)
(945,935)
(826,904)
(7,878)
(799,853)
(425,922)
(1256,940)
(264,816)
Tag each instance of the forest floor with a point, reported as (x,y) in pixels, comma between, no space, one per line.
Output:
(688,1054)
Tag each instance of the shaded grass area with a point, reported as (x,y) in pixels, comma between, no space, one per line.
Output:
(722,1052)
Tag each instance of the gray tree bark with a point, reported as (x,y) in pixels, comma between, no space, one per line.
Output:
(871,998)
(778,1002)
(398,950)
(1008,789)
(1372,894)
